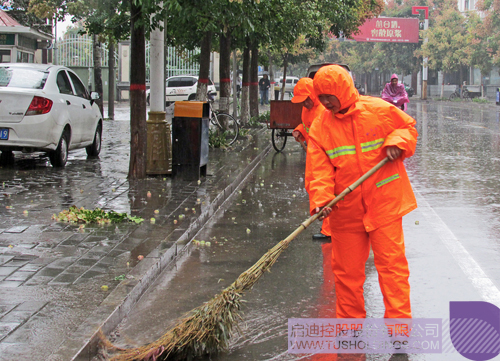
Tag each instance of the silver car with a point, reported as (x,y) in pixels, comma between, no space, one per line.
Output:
(47,108)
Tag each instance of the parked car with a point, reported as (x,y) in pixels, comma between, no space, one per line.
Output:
(312,70)
(47,108)
(291,81)
(181,87)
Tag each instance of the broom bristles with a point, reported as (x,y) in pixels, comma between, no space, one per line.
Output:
(207,328)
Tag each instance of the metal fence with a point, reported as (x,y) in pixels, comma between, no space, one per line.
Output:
(181,62)
(77,51)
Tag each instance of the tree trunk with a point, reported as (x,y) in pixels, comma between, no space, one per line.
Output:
(98,71)
(285,65)
(482,84)
(271,76)
(235,83)
(442,86)
(138,135)
(414,81)
(225,72)
(365,83)
(111,79)
(245,86)
(206,46)
(461,80)
(254,80)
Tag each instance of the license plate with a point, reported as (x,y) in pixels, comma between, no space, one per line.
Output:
(4,133)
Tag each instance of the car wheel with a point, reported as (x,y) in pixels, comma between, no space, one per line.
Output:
(192,97)
(147,99)
(59,157)
(7,157)
(94,149)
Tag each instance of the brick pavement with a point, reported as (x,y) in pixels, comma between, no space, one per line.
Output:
(51,273)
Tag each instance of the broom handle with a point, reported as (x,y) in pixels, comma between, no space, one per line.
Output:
(346,191)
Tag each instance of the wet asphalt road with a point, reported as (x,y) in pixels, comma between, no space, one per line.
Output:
(451,240)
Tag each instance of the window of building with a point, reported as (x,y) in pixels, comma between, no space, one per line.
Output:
(23,57)
(4,56)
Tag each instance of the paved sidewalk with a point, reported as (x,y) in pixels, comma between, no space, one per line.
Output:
(51,273)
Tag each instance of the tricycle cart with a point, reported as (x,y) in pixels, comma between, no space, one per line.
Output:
(285,117)
(472,91)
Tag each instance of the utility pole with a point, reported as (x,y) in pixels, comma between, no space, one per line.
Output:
(54,60)
(415,11)
(235,86)
(157,73)
(158,130)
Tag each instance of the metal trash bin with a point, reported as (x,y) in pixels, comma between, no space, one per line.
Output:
(159,148)
(190,140)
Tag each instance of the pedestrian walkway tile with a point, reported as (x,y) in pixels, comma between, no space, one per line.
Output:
(16,229)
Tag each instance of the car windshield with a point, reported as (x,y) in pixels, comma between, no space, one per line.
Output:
(181,82)
(22,78)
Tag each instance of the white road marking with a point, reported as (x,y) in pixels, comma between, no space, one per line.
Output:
(483,284)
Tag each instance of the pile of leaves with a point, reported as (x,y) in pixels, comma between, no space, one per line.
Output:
(82,215)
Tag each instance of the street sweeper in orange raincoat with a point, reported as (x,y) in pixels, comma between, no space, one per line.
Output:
(311,109)
(352,136)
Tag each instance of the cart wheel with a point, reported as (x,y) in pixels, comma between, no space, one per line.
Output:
(279,139)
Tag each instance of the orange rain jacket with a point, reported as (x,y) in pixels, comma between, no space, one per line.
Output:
(304,89)
(342,147)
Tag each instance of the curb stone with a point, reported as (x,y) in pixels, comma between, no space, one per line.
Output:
(83,345)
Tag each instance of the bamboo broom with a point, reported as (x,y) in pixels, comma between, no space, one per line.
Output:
(207,329)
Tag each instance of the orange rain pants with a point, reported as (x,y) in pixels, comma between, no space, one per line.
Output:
(351,253)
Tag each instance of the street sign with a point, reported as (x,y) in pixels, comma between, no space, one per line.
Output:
(398,30)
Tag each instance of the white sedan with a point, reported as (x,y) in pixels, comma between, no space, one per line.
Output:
(181,88)
(47,108)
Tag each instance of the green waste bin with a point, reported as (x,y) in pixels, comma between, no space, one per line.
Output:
(190,140)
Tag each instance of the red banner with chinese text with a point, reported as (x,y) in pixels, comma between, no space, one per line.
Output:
(400,30)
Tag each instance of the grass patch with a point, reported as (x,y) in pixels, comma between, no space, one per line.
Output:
(480,100)
(262,118)
(217,139)
(254,122)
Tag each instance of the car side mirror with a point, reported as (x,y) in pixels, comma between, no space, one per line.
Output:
(94,96)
